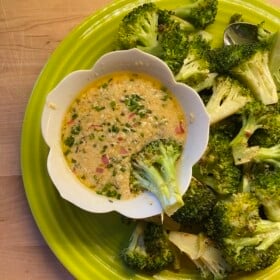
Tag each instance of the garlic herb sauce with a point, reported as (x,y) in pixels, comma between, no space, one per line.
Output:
(113,118)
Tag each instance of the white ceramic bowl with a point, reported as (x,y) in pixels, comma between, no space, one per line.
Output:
(59,100)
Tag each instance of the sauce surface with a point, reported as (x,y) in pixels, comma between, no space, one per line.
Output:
(112,119)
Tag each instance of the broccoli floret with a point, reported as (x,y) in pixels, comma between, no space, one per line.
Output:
(229,126)
(179,44)
(156,31)
(200,13)
(206,84)
(249,63)
(228,97)
(248,242)
(149,249)
(269,155)
(199,200)
(256,116)
(196,68)
(256,74)
(265,185)
(174,44)
(269,132)
(216,167)
(139,29)
(173,37)
(252,115)
(154,169)
(167,19)
(203,252)
(233,216)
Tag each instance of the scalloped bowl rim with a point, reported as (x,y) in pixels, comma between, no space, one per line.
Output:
(59,100)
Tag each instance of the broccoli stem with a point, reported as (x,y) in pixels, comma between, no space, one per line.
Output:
(270,155)
(137,240)
(241,153)
(269,232)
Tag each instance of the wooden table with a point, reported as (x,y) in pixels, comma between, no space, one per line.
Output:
(29,32)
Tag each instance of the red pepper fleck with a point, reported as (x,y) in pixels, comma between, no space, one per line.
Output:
(99,170)
(96,127)
(131,115)
(105,160)
(123,151)
(180,128)
(70,121)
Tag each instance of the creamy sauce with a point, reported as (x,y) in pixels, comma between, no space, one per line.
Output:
(112,119)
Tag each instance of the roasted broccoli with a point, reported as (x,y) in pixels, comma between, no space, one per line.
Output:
(216,167)
(248,242)
(249,63)
(174,42)
(167,19)
(156,31)
(199,200)
(227,98)
(173,39)
(148,249)
(200,13)
(269,133)
(203,252)
(265,185)
(196,68)
(185,52)
(154,169)
(228,220)
(257,119)
(139,29)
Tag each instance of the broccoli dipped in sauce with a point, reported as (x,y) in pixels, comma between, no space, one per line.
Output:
(154,169)
(248,242)
(149,248)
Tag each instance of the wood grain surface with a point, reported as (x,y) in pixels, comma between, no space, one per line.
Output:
(30,30)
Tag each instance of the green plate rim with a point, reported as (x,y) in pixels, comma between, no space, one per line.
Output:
(33,173)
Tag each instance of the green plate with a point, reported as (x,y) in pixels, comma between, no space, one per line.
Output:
(88,244)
